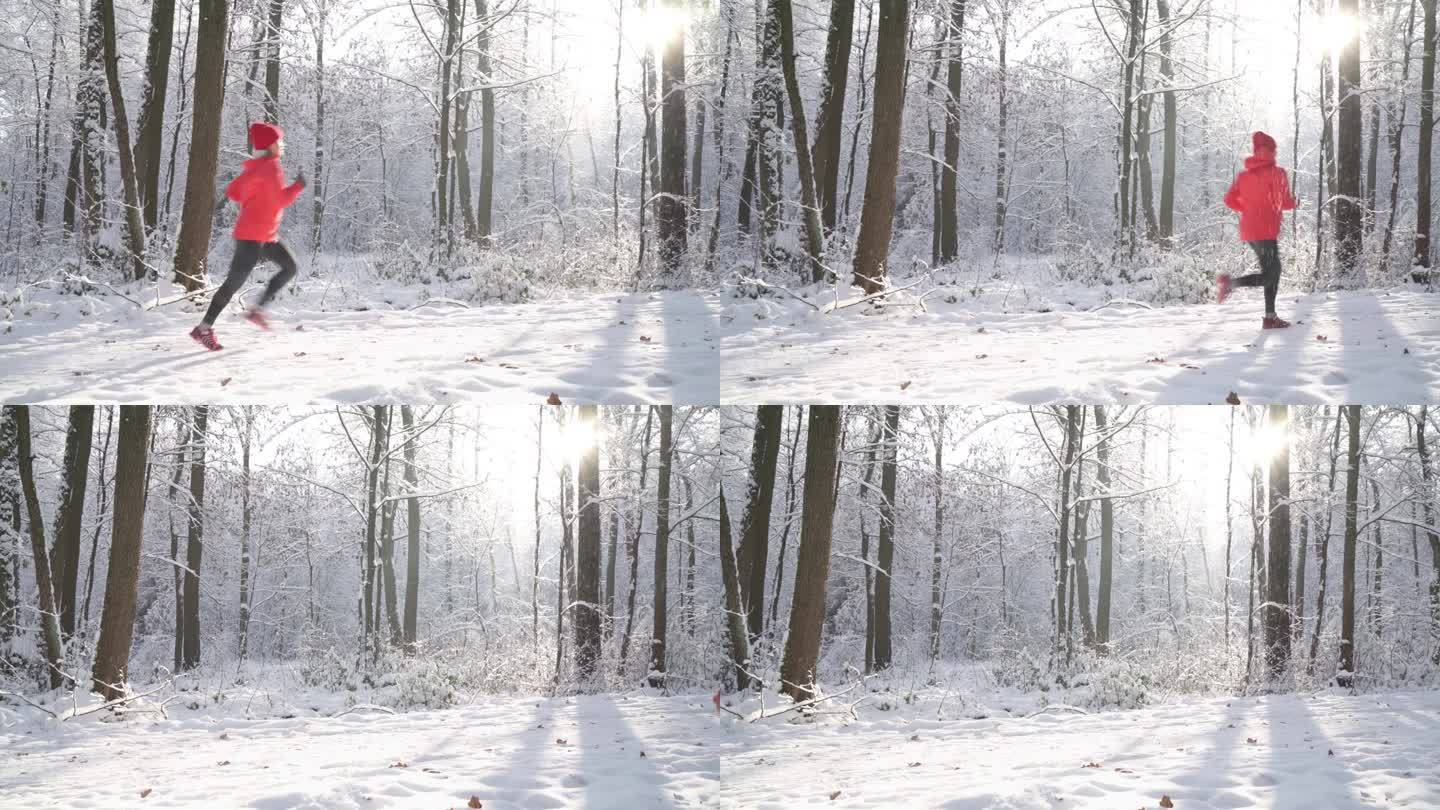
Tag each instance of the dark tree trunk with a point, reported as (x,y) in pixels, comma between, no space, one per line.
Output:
(1107,533)
(1277,584)
(671,215)
(275,17)
(9,526)
(755,525)
(807,612)
(70,515)
(195,537)
(196,218)
(949,240)
(152,107)
(662,548)
(1167,167)
(885,552)
(587,557)
(734,617)
(829,122)
(49,616)
(1062,543)
(1427,506)
(877,217)
(1421,254)
(127,530)
(760,176)
(633,544)
(1349,218)
(1346,677)
(809,210)
(486,192)
(134,225)
(379,443)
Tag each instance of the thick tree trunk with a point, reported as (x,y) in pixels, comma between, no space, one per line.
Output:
(877,217)
(662,548)
(829,122)
(1349,216)
(1277,583)
(195,540)
(807,613)
(734,615)
(9,526)
(152,107)
(1127,114)
(1421,254)
(1171,149)
(71,513)
(127,530)
(587,557)
(275,17)
(809,206)
(317,178)
(1427,507)
(1395,132)
(486,192)
(755,525)
(760,175)
(1062,543)
(379,444)
(1323,555)
(949,239)
(83,192)
(885,552)
(49,616)
(1346,675)
(196,218)
(134,225)
(671,216)
(1002,127)
(633,544)
(937,540)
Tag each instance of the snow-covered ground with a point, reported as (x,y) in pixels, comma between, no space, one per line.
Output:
(1364,347)
(613,348)
(1288,751)
(594,751)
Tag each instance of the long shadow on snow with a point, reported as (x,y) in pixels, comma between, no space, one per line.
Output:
(605,737)
(693,312)
(1225,375)
(1303,759)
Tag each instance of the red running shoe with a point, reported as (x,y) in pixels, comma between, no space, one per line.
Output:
(1274,322)
(258,318)
(1222,284)
(205,336)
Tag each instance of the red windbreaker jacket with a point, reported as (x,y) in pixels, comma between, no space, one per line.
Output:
(263,196)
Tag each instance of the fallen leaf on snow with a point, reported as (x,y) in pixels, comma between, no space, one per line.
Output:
(561,741)
(144,793)
(474,802)
(553,399)
(1092,765)
(644,338)
(399,763)
(1232,399)
(834,794)
(904,385)
(1250,740)
(1165,802)
(474,358)
(226,381)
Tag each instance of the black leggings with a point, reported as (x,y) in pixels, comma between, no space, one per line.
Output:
(1268,251)
(247,255)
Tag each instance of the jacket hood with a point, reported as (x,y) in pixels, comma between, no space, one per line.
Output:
(261,162)
(1260,160)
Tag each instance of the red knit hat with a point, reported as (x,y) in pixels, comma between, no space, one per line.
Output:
(1262,142)
(263,136)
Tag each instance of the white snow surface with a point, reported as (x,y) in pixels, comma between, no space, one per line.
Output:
(1364,347)
(611,348)
(591,751)
(1304,752)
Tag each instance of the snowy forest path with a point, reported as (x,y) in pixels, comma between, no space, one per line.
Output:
(1365,347)
(1282,751)
(611,348)
(586,751)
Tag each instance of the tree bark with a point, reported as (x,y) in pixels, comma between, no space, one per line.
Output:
(885,551)
(807,613)
(949,239)
(134,225)
(1062,549)
(633,545)
(587,558)
(117,618)
(1346,675)
(152,107)
(1107,533)
(1421,253)
(9,526)
(662,548)
(755,525)
(671,216)
(71,513)
(194,545)
(198,214)
(877,217)
(829,122)
(486,192)
(937,541)
(1278,617)
(734,615)
(49,616)
(1170,146)
(809,206)
(1427,507)
(246,432)
(412,532)
(1349,216)
(275,17)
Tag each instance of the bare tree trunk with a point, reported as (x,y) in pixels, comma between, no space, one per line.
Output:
(809,206)
(1278,617)
(1427,506)
(9,526)
(152,107)
(1349,218)
(195,545)
(197,216)
(486,191)
(885,552)
(49,616)
(127,529)
(587,558)
(1421,254)
(378,444)
(734,615)
(1127,166)
(949,239)
(1167,168)
(317,195)
(1346,676)
(1395,131)
(135,227)
(937,541)
(662,549)
(412,532)
(789,514)
(755,525)
(671,215)
(83,194)
(1323,558)
(1107,534)
(877,217)
(1063,538)
(829,122)
(247,430)
(634,543)
(807,613)
(1002,127)
(71,513)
